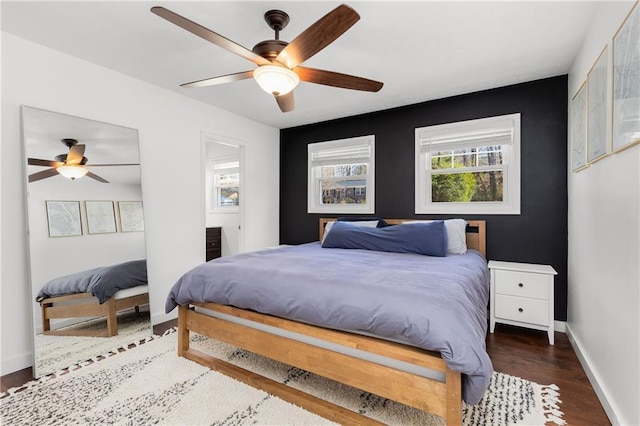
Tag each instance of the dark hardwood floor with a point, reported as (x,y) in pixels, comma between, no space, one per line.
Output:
(527,354)
(513,350)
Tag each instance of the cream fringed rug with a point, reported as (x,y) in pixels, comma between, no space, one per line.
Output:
(150,384)
(56,352)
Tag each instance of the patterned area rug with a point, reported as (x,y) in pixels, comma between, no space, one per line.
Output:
(57,352)
(152,385)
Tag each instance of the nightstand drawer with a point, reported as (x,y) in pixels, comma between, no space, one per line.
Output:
(533,311)
(522,284)
(213,243)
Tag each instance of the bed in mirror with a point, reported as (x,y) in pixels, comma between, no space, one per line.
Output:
(86,238)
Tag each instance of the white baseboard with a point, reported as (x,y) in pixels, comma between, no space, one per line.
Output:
(159,318)
(16,363)
(560,326)
(593,378)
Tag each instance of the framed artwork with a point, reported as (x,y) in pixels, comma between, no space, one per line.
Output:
(579,129)
(101,217)
(131,217)
(626,82)
(63,218)
(597,140)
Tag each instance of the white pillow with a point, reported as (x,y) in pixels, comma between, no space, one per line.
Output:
(456,234)
(367,223)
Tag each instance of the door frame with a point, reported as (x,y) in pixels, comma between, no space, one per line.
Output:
(206,138)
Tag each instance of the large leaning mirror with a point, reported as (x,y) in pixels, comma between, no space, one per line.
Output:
(86,238)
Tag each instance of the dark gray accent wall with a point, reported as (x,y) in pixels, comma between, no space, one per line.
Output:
(537,235)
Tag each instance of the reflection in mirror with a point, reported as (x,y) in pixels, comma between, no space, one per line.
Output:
(86,241)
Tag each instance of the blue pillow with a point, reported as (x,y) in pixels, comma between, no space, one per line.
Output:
(423,238)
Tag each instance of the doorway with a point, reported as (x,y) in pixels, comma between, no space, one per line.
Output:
(223,177)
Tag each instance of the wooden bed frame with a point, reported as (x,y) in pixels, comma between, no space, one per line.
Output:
(440,398)
(86,305)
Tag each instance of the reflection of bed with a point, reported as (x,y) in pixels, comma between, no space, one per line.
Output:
(389,367)
(98,292)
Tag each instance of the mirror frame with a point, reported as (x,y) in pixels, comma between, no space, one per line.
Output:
(110,155)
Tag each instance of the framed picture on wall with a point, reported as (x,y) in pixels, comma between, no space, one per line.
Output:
(63,218)
(101,217)
(131,217)
(597,135)
(579,129)
(626,82)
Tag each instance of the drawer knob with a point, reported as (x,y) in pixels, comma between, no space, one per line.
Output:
(520,310)
(520,285)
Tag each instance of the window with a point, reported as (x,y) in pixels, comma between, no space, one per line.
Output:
(226,185)
(341,176)
(470,167)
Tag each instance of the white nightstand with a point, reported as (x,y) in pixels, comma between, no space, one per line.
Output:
(522,295)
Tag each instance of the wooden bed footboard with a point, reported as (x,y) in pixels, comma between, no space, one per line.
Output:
(441,398)
(86,305)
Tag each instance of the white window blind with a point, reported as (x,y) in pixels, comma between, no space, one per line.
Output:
(341,176)
(470,167)
(227,166)
(337,155)
(467,140)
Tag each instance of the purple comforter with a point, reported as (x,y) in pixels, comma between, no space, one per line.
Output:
(103,282)
(435,303)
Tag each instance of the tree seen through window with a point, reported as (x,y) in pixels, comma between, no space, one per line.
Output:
(458,176)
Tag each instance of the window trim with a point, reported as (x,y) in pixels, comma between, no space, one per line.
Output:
(314,204)
(214,207)
(511,167)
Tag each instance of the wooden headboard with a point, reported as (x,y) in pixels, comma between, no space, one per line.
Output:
(476,231)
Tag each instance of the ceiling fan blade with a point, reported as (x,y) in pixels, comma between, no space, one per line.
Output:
(220,79)
(45,163)
(318,36)
(42,175)
(336,79)
(286,102)
(96,177)
(209,35)
(75,155)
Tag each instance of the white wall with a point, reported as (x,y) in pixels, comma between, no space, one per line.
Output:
(169,126)
(604,253)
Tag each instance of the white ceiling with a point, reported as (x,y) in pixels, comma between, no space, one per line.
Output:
(419,50)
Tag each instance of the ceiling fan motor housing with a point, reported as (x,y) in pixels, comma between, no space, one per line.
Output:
(69,143)
(269,49)
(62,158)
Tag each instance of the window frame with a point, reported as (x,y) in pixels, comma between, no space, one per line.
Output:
(314,192)
(215,188)
(470,130)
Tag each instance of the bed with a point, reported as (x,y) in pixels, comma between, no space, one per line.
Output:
(97,292)
(383,362)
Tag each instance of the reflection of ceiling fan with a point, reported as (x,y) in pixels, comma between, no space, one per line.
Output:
(278,71)
(72,165)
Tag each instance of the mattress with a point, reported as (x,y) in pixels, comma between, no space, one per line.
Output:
(103,282)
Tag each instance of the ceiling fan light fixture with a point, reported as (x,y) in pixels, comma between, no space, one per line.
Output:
(276,80)
(71,171)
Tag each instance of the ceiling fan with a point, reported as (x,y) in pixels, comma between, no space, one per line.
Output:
(279,70)
(72,165)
